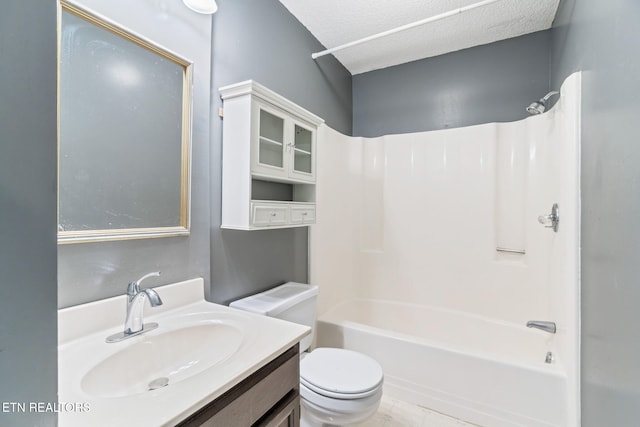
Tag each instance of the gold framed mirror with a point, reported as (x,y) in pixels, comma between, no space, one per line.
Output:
(124,133)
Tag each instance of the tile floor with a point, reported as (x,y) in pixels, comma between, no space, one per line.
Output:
(395,413)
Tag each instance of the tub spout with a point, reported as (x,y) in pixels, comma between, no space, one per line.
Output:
(542,325)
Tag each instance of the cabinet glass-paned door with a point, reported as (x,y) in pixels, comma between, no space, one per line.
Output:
(302,150)
(271,140)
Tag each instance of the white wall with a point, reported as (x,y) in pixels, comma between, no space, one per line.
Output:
(332,260)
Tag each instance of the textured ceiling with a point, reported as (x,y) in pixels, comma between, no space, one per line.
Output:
(335,22)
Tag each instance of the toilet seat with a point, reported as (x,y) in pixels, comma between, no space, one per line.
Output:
(340,374)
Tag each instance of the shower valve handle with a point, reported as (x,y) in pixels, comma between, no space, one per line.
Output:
(551,220)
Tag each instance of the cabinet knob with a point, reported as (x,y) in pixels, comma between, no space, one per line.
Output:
(273,214)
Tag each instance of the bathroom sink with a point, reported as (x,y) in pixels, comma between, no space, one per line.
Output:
(162,358)
(199,351)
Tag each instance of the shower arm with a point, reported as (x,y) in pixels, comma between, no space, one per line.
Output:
(549,95)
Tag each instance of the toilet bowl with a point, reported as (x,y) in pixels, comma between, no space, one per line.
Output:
(338,387)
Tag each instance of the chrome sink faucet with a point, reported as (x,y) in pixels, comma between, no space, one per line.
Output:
(136,297)
(135,304)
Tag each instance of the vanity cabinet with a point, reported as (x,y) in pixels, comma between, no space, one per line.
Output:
(270,397)
(268,159)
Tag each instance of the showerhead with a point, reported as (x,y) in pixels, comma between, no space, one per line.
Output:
(539,106)
(536,108)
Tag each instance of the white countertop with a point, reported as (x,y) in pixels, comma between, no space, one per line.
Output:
(81,346)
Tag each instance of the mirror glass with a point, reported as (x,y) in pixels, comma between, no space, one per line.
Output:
(124,134)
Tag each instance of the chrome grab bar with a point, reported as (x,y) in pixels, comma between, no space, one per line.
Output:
(542,325)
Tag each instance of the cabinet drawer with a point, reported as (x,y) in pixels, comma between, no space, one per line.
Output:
(303,214)
(269,215)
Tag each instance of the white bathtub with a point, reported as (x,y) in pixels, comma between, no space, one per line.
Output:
(477,369)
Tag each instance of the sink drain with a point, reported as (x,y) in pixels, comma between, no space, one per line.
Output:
(158,383)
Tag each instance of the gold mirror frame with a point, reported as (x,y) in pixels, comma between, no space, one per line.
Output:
(181,229)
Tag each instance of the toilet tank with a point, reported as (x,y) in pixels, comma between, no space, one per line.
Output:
(294,302)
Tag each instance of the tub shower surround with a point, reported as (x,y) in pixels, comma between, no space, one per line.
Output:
(430,258)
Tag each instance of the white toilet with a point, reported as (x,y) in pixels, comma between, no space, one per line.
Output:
(337,386)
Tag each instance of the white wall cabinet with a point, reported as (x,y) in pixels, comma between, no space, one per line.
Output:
(283,147)
(268,159)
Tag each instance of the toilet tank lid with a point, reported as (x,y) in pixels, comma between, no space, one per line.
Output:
(276,300)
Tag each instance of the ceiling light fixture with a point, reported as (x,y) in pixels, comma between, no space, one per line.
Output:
(207,7)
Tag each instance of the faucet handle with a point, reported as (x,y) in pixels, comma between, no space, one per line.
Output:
(134,287)
(551,220)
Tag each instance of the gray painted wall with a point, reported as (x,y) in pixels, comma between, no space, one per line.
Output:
(28,316)
(261,40)
(490,83)
(258,40)
(92,271)
(603,39)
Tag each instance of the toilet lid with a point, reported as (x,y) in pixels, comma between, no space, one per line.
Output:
(341,374)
